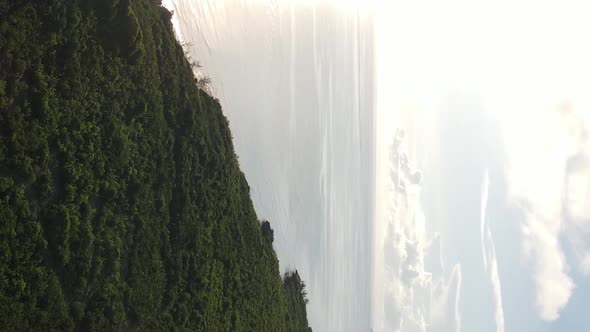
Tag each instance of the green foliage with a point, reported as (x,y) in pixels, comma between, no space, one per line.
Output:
(122,205)
(296,302)
(267,232)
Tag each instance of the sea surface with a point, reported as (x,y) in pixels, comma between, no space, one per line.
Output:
(296,84)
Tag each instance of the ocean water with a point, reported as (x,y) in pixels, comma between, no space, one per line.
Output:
(296,84)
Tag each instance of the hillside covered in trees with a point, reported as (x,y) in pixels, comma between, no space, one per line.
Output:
(296,299)
(122,204)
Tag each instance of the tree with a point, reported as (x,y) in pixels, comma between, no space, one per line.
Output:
(267,232)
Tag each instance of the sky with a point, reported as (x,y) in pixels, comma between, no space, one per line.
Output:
(492,98)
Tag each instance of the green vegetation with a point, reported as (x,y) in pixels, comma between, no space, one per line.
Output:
(296,300)
(122,205)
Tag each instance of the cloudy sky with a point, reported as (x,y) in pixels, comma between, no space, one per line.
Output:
(493,98)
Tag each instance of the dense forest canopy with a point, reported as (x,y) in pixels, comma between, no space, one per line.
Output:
(296,299)
(122,204)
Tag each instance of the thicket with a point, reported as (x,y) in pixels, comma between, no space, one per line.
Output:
(122,204)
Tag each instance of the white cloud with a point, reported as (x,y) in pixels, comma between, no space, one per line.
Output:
(577,190)
(552,282)
(489,256)
(446,299)
(433,261)
(408,297)
(457,313)
(539,145)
